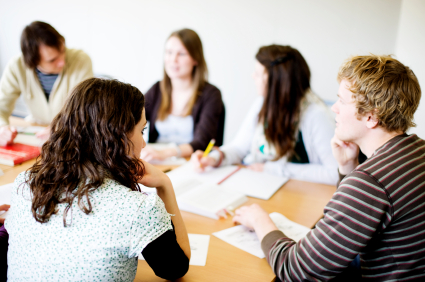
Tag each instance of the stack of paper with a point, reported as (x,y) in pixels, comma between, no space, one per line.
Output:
(245,239)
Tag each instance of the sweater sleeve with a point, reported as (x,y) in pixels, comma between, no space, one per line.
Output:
(317,129)
(9,91)
(82,68)
(240,146)
(357,211)
(206,128)
(165,256)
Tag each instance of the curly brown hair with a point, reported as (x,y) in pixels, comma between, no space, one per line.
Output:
(383,86)
(89,141)
(288,82)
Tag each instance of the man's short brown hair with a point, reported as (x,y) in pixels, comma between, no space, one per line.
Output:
(383,86)
(33,36)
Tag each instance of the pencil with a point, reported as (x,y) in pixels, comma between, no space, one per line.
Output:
(209,147)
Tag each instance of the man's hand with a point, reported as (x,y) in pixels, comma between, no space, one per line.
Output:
(3,208)
(7,134)
(255,218)
(346,154)
(200,162)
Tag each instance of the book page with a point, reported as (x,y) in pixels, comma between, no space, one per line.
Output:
(254,184)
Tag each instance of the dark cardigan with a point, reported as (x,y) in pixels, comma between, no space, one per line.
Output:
(207,113)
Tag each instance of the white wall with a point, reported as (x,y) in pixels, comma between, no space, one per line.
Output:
(410,49)
(125,38)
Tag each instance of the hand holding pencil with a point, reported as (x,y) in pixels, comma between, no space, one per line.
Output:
(201,160)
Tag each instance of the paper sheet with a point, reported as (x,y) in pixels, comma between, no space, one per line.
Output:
(5,195)
(247,240)
(198,247)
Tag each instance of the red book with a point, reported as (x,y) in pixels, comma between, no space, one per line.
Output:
(17,153)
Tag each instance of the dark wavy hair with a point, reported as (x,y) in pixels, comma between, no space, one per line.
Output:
(89,141)
(288,81)
(33,36)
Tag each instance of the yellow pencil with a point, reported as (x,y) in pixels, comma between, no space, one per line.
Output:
(209,147)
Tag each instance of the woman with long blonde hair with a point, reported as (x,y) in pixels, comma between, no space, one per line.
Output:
(183,108)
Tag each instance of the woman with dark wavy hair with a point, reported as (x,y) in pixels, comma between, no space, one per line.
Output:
(78,214)
(288,129)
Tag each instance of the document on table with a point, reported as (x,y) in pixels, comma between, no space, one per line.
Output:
(167,161)
(5,195)
(247,240)
(199,249)
(203,198)
(250,183)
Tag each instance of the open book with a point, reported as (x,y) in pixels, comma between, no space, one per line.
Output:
(245,239)
(233,178)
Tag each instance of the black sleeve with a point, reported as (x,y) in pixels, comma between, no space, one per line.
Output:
(165,257)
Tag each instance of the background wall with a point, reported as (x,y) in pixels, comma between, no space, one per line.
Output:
(125,39)
(410,49)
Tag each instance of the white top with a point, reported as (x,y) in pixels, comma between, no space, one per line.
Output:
(175,129)
(101,246)
(317,127)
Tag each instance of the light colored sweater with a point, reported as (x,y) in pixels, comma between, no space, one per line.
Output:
(317,127)
(18,79)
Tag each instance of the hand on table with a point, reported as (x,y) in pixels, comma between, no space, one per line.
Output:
(43,134)
(148,154)
(3,208)
(255,218)
(346,154)
(256,167)
(7,134)
(200,162)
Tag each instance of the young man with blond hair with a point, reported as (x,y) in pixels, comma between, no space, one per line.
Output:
(378,210)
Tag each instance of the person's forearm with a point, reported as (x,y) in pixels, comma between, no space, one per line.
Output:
(185,151)
(348,167)
(166,193)
(263,227)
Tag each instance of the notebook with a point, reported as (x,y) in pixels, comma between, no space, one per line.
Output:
(203,198)
(234,178)
(17,153)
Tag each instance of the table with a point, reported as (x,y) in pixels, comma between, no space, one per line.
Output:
(299,201)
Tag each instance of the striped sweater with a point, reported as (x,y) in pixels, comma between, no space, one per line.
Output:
(378,212)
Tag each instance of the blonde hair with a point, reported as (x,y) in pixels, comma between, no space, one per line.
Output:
(385,87)
(193,45)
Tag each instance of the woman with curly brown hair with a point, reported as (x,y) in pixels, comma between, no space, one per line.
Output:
(78,212)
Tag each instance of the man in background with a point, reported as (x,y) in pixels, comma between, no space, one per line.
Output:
(44,74)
